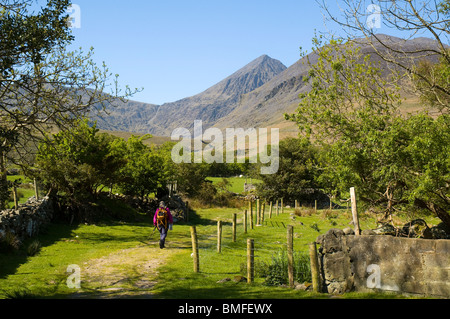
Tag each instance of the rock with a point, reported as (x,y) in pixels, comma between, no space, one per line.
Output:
(27,219)
(304,286)
(348,231)
(239,279)
(368,232)
(441,231)
(332,237)
(417,228)
(224,280)
(386,229)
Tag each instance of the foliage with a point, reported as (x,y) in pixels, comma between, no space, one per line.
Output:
(426,161)
(143,172)
(43,85)
(352,113)
(428,17)
(34,248)
(440,72)
(297,175)
(9,242)
(77,162)
(276,271)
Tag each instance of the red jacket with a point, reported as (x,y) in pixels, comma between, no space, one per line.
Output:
(169,215)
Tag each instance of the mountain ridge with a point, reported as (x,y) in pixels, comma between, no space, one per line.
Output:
(209,106)
(257,95)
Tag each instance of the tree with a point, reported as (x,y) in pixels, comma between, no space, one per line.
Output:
(43,86)
(427,162)
(191,177)
(144,172)
(352,113)
(297,176)
(412,18)
(427,71)
(348,110)
(77,162)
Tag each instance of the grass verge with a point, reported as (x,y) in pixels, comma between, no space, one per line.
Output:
(125,251)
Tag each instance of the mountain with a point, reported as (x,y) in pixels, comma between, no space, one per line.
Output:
(126,116)
(265,106)
(255,96)
(209,106)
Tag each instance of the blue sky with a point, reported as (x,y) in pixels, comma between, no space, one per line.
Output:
(175,49)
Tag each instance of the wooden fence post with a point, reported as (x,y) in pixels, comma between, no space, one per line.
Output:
(270,210)
(251,216)
(36,190)
(234,227)
(314,267)
(195,249)
(355,212)
(16,201)
(263,213)
(315,206)
(277,208)
(290,252)
(258,212)
(250,260)
(219,236)
(245,222)
(282,206)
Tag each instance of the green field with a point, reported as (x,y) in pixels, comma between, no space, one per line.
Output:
(236,183)
(24,191)
(122,259)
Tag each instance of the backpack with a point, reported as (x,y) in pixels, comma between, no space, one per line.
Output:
(161,217)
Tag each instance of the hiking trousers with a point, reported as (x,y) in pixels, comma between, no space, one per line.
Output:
(162,240)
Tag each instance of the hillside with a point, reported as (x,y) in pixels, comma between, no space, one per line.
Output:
(265,106)
(209,106)
(255,96)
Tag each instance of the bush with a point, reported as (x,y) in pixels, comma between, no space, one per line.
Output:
(276,271)
(209,196)
(9,242)
(34,248)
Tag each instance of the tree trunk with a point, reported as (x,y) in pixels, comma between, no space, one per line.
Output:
(441,213)
(3,181)
(3,172)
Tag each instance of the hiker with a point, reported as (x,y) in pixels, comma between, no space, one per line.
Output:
(163,221)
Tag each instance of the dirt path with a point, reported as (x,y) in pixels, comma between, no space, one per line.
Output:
(129,273)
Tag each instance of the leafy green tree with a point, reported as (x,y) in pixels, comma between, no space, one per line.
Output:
(428,18)
(297,176)
(427,162)
(431,95)
(352,112)
(348,109)
(144,172)
(76,163)
(191,177)
(43,86)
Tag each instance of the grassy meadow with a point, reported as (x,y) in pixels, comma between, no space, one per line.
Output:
(122,259)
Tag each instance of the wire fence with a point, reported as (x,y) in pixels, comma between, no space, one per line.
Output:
(232,243)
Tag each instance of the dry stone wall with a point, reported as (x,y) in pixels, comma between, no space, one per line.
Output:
(384,263)
(28,219)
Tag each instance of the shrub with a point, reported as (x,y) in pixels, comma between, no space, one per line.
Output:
(8,242)
(275,272)
(34,248)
